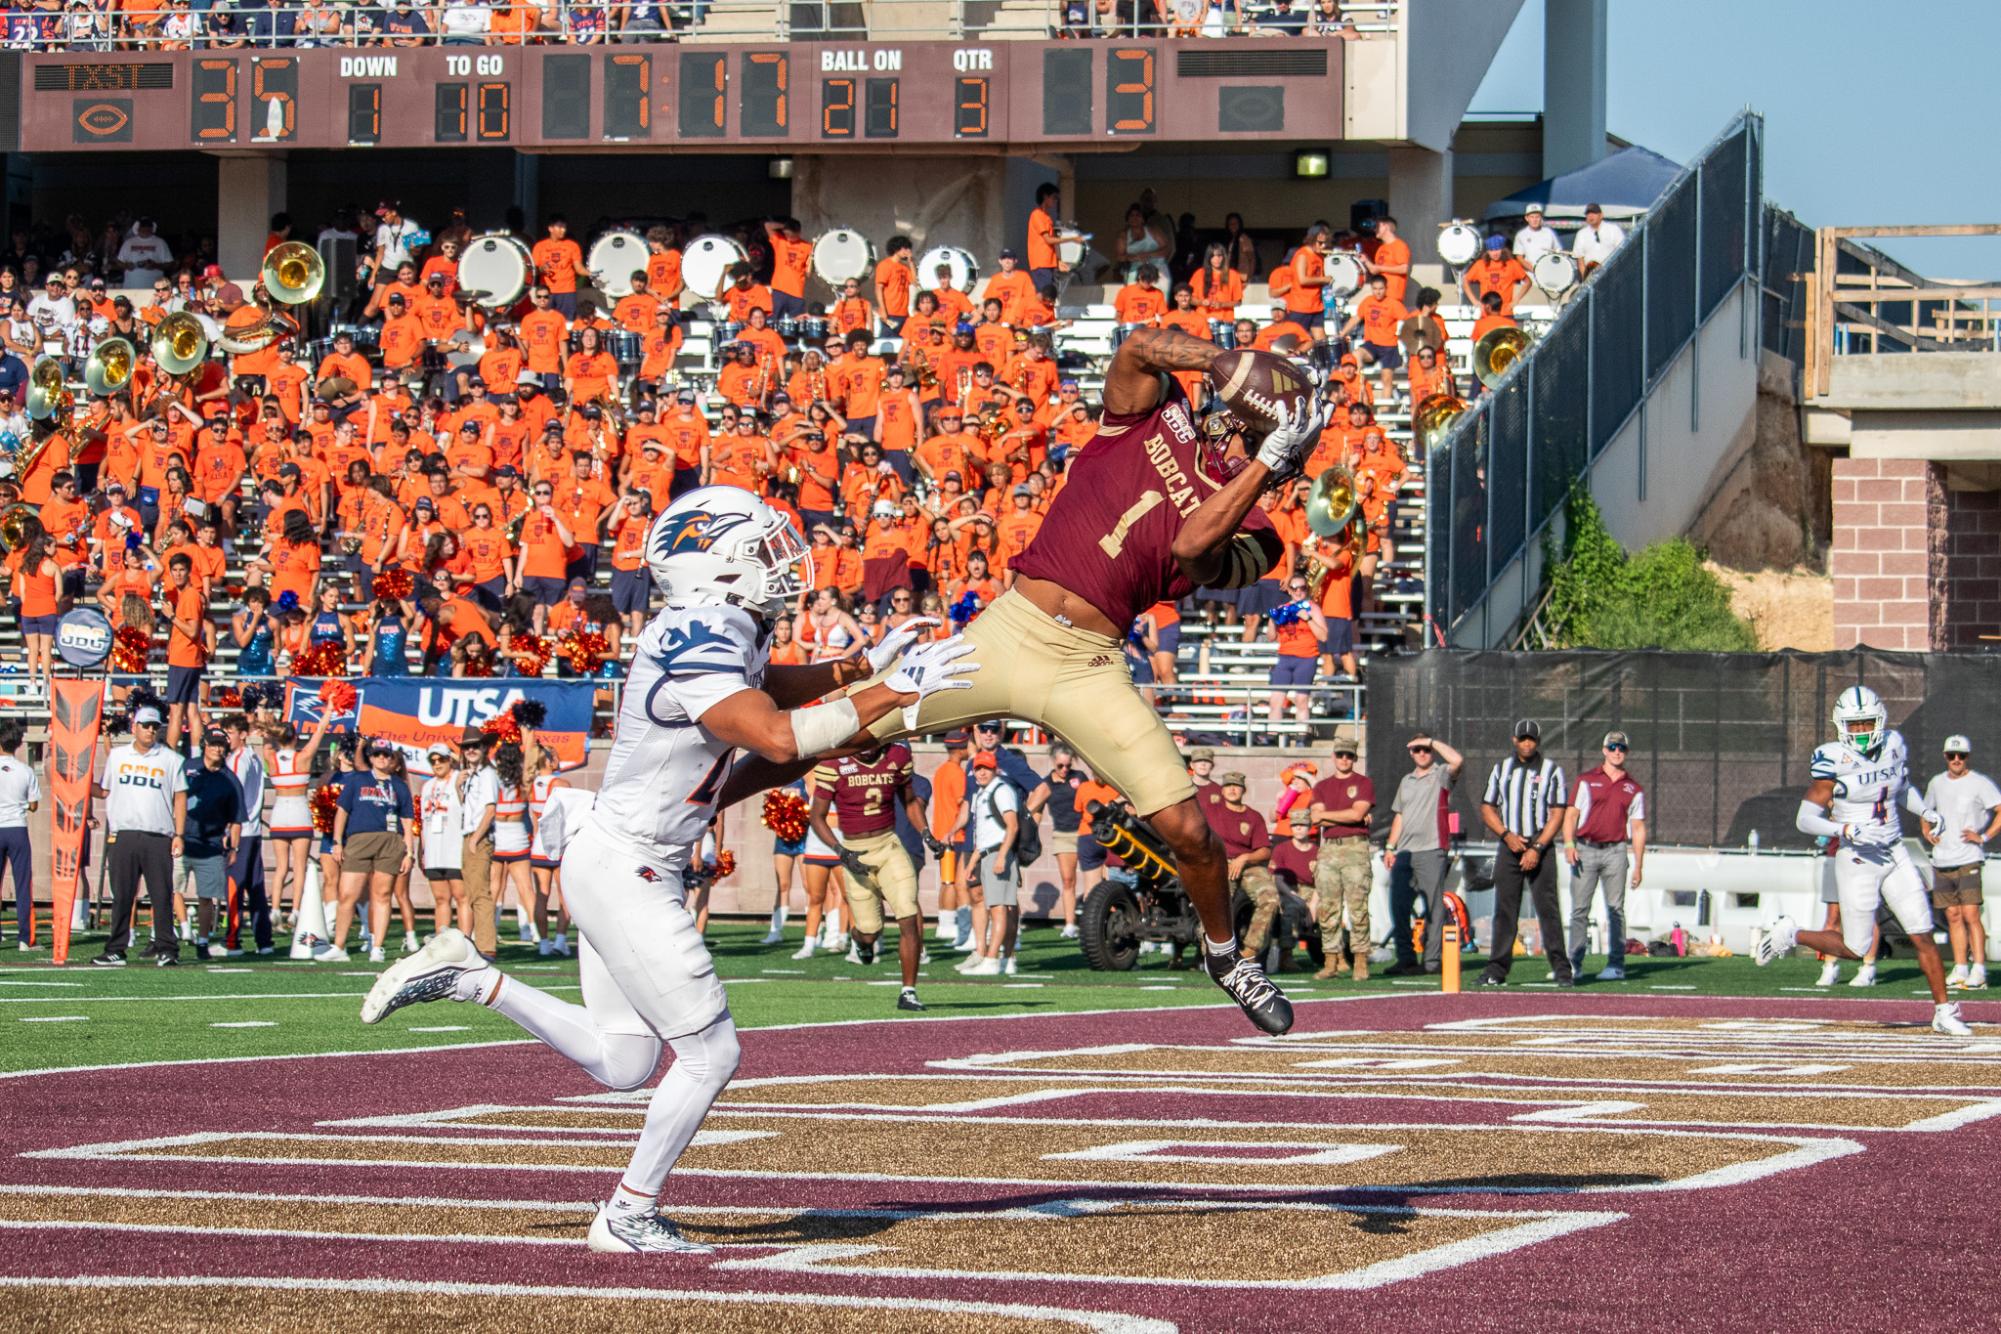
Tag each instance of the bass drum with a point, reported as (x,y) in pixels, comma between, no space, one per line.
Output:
(1458,245)
(494,270)
(1344,273)
(843,254)
(613,259)
(706,265)
(1554,272)
(965,269)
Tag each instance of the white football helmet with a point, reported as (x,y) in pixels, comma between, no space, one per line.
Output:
(1860,719)
(721,545)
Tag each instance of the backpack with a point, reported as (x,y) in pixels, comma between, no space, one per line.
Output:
(1027,838)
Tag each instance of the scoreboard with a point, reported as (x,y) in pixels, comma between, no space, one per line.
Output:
(803,96)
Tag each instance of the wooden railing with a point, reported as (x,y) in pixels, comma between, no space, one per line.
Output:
(1863,302)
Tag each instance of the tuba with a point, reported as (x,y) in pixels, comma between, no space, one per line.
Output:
(109,369)
(1497,352)
(927,374)
(1433,419)
(292,274)
(48,399)
(179,345)
(14,530)
(1334,514)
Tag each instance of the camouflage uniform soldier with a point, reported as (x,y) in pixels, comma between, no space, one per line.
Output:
(1342,873)
(1247,843)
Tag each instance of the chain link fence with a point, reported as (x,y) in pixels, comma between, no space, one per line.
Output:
(1509,462)
(1720,741)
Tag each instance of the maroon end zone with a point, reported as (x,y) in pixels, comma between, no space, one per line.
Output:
(1571,1160)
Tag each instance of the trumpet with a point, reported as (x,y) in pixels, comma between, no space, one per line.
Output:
(109,368)
(179,344)
(1497,352)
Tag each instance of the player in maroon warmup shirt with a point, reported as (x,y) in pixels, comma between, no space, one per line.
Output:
(864,791)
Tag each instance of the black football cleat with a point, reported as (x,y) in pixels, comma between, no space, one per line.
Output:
(1245,982)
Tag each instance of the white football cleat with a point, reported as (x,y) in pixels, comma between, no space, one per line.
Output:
(562,944)
(1946,1020)
(1865,976)
(1830,973)
(1957,977)
(545,947)
(433,973)
(639,1232)
(854,954)
(806,951)
(1775,940)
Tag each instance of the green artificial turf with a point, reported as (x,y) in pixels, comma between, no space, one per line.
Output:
(83,1015)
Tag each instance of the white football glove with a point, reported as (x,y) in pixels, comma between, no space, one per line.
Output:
(1285,447)
(930,668)
(883,655)
(1934,823)
(1874,835)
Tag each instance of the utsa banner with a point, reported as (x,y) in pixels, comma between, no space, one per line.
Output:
(75,716)
(416,712)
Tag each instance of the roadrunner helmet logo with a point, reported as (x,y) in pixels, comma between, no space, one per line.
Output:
(693,532)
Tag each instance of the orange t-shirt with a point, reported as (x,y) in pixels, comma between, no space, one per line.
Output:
(893,277)
(557,263)
(1394,252)
(789,261)
(184,649)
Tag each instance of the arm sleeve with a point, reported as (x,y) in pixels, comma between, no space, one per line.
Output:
(1914,800)
(1583,802)
(1638,810)
(1813,820)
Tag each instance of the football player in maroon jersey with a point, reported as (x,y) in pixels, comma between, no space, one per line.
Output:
(865,790)
(1153,508)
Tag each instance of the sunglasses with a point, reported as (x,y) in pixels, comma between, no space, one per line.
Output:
(1955,755)
(1620,748)
(145,724)
(1418,750)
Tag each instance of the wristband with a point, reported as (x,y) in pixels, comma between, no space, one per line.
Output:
(824,727)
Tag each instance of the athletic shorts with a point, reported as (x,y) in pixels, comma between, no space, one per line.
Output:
(442,873)
(788,847)
(1261,598)
(645,969)
(183,685)
(1000,890)
(891,886)
(631,590)
(290,835)
(1868,878)
(379,853)
(210,874)
(1090,853)
(1340,637)
(1388,355)
(1956,886)
(1292,671)
(39,625)
(545,591)
(1167,639)
(1072,681)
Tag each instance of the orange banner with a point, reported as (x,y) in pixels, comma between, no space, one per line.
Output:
(76,716)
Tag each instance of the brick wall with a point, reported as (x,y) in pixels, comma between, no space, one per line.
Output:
(1972,569)
(1889,554)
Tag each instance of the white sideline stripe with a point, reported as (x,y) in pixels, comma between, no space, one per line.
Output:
(43,984)
(239,996)
(902,1021)
(248,1023)
(58,1019)
(811,1256)
(1806,1151)
(1104,1322)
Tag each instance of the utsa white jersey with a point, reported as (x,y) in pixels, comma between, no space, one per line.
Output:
(1866,791)
(666,770)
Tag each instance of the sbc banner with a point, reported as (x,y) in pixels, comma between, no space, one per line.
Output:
(416,712)
(76,715)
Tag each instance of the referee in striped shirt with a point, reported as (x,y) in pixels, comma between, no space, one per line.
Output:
(1523,807)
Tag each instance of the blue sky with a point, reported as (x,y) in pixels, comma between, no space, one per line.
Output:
(1874,113)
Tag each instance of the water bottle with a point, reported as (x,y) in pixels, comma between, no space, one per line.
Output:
(1679,939)
(1753,842)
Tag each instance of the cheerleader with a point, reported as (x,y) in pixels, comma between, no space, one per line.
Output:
(826,888)
(290,767)
(511,841)
(444,842)
(785,853)
(543,865)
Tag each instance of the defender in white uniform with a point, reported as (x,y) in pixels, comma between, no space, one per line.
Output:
(700,688)
(1861,784)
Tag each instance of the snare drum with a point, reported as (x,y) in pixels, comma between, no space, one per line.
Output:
(706,264)
(494,270)
(1071,244)
(726,332)
(965,269)
(364,335)
(843,254)
(626,346)
(613,259)
(788,327)
(1458,245)
(1122,332)
(1344,273)
(813,329)
(1223,333)
(1554,272)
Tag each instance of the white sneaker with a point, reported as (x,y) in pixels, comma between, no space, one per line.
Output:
(1774,941)
(639,1232)
(806,951)
(773,937)
(969,963)
(1830,973)
(562,944)
(376,955)
(854,954)
(1068,933)
(410,942)
(1976,977)
(947,929)
(325,953)
(1946,1020)
(923,956)
(1864,976)
(545,948)
(1957,977)
(1007,969)
(830,938)
(436,972)
(966,945)
(985,968)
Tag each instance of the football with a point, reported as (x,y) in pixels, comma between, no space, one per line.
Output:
(1255,384)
